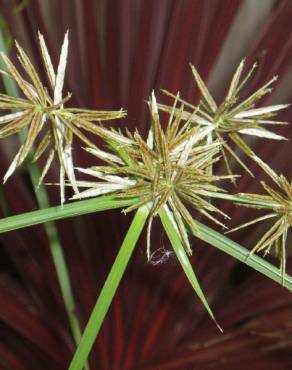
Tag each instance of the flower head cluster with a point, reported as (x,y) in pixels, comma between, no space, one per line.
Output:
(42,112)
(232,118)
(279,204)
(170,169)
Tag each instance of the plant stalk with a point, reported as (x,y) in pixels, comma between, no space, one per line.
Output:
(109,289)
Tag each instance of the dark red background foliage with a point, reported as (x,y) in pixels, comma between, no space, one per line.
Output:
(119,51)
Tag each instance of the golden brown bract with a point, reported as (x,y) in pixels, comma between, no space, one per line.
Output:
(232,119)
(42,112)
(171,169)
(280,209)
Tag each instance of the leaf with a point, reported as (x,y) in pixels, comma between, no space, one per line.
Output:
(183,259)
(60,212)
(237,251)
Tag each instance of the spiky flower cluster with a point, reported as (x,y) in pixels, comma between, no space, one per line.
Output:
(172,169)
(231,118)
(168,170)
(41,111)
(279,204)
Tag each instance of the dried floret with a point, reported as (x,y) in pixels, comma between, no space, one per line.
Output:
(43,113)
(169,169)
(279,204)
(232,118)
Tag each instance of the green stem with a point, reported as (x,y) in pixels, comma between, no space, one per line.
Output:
(108,291)
(58,256)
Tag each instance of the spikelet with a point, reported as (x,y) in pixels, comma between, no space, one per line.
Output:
(231,119)
(167,170)
(280,209)
(40,110)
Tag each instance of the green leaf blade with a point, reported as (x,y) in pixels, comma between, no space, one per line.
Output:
(74,209)
(242,254)
(184,260)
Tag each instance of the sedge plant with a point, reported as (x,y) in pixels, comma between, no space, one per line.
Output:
(170,175)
